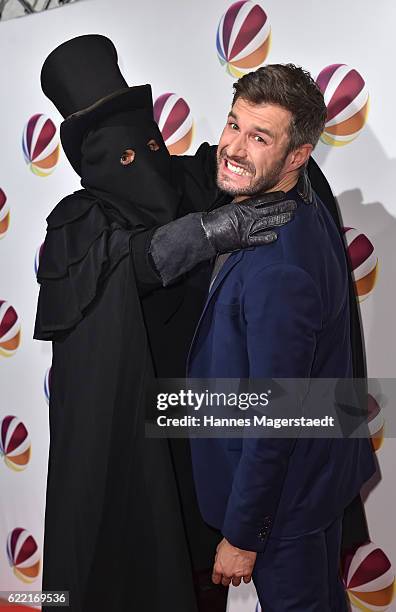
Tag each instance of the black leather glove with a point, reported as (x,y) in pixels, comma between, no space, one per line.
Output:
(180,245)
(247,223)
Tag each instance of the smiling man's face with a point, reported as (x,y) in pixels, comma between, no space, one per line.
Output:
(252,152)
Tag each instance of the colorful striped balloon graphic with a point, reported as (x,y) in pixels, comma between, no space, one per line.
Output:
(10,329)
(243,38)
(47,385)
(15,444)
(175,122)
(347,100)
(369,578)
(4,214)
(376,422)
(363,261)
(40,144)
(23,554)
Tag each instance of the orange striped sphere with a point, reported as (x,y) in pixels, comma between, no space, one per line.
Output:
(363,261)
(23,555)
(347,100)
(10,329)
(243,38)
(369,578)
(14,443)
(40,144)
(173,116)
(4,214)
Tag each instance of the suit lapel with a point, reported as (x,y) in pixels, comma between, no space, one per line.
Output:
(224,271)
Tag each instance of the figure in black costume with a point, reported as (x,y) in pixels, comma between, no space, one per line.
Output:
(122,530)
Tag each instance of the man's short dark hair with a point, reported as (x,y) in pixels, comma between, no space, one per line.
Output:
(293,89)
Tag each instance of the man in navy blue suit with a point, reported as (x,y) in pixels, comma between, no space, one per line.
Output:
(281,311)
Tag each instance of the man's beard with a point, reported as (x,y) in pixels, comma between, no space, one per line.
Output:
(257,186)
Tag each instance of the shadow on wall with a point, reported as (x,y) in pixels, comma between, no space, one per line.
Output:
(372,219)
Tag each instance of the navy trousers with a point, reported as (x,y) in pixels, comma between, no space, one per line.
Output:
(302,574)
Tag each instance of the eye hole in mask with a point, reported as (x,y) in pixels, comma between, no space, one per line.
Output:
(127,157)
(153,145)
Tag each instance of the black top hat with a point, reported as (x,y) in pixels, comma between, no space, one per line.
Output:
(82,78)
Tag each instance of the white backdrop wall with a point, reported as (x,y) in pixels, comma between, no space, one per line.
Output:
(172,45)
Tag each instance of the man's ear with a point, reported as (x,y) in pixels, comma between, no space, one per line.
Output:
(299,156)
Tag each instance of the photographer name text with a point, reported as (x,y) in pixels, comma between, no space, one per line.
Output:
(255,421)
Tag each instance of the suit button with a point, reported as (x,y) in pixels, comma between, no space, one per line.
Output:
(264,528)
(262,534)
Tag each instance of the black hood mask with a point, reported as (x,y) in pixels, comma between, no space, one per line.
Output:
(126,164)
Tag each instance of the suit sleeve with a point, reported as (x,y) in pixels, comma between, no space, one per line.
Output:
(283,316)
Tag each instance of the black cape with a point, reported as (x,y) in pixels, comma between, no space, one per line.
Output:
(122,526)
(113,532)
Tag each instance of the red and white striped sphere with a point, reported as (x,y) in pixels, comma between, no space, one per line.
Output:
(4,214)
(369,578)
(376,422)
(23,554)
(10,329)
(363,261)
(243,38)
(347,100)
(174,119)
(15,443)
(40,144)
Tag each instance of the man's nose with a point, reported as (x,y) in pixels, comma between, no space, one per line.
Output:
(237,146)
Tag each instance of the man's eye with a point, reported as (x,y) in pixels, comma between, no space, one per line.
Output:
(153,145)
(233,126)
(259,139)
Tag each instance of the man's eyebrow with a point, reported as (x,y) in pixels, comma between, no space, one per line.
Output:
(256,128)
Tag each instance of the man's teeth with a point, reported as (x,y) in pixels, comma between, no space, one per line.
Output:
(237,169)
